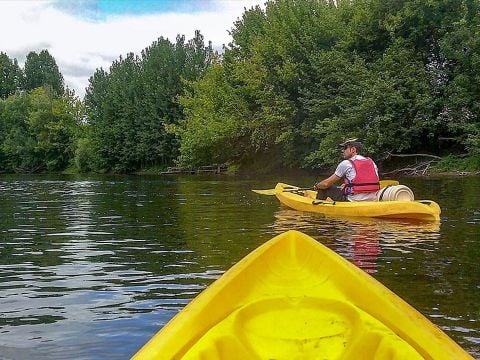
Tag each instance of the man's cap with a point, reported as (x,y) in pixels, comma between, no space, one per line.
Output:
(351,142)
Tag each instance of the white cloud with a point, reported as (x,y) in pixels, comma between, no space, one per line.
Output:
(80,46)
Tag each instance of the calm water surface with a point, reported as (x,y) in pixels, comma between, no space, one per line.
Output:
(92,267)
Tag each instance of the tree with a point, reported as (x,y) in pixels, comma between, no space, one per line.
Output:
(130,107)
(402,74)
(38,131)
(41,70)
(10,76)
(213,118)
(460,80)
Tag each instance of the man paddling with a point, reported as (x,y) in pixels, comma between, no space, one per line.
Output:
(360,177)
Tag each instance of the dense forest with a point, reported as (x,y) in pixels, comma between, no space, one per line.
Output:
(298,77)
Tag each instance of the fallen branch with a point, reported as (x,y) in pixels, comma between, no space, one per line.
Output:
(419,169)
(414,155)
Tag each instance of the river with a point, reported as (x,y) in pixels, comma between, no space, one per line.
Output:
(92,266)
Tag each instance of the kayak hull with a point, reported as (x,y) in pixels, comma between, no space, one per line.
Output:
(420,210)
(293,298)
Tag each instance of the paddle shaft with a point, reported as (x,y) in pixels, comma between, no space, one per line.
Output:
(383,183)
(298,189)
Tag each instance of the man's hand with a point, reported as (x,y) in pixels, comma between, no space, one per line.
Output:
(325,184)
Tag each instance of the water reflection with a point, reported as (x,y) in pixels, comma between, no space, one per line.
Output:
(362,240)
(74,258)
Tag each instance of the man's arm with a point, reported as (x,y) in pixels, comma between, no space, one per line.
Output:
(324,184)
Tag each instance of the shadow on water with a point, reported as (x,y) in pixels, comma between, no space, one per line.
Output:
(93,266)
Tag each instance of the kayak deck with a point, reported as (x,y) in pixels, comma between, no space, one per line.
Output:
(420,209)
(293,298)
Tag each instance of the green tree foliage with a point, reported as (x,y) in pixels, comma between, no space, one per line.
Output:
(11,76)
(39,131)
(460,78)
(130,107)
(298,77)
(401,74)
(267,65)
(212,121)
(41,70)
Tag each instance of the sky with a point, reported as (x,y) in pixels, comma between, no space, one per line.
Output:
(84,35)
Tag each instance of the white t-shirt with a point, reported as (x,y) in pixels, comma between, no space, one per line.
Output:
(346,168)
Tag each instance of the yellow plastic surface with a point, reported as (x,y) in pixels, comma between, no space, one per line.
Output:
(293,298)
(421,210)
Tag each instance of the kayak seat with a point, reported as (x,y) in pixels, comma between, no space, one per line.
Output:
(276,328)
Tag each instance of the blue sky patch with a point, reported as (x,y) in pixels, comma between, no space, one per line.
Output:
(99,10)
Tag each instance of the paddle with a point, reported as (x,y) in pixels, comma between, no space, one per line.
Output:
(272,191)
(383,183)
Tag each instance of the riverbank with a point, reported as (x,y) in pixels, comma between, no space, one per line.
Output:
(451,165)
(456,165)
(416,165)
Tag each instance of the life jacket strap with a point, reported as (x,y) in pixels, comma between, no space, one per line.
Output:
(350,184)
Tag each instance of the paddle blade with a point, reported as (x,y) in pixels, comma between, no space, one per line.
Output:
(265,192)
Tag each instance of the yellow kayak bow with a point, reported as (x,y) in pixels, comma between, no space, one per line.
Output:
(293,298)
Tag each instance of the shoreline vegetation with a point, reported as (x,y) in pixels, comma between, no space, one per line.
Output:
(297,78)
(447,166)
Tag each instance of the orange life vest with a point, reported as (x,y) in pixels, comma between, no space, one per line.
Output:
(366,178)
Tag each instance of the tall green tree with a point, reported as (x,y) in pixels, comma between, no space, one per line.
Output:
(266,65)
(39,131)
(460,80)
(11,76)
(214,117)
(41,70)
(130,107)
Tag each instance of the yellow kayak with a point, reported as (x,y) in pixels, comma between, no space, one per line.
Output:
(293,298)
(420,209)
